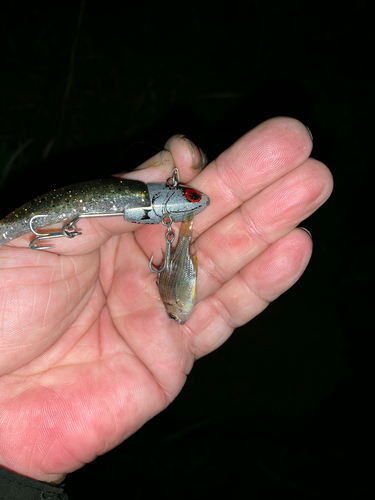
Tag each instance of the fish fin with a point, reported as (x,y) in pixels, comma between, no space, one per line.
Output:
(195,263)
(186,228)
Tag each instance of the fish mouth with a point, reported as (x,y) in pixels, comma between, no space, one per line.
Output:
(180,320)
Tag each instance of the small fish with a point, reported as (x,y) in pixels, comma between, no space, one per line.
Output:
(177,283)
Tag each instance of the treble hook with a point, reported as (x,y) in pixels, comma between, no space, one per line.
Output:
(169,236)
(68,230)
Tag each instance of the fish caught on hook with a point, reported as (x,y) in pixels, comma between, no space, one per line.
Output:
(177,280)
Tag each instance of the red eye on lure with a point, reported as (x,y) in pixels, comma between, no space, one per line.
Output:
(193,195)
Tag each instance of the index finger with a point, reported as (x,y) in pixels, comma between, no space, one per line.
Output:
(256,160)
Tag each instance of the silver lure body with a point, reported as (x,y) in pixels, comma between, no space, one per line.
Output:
(134,200)
(177,282)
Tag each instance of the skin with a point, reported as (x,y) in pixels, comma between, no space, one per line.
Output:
(87,351)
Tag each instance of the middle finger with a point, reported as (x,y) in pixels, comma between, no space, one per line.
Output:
(243,234)
(255,161)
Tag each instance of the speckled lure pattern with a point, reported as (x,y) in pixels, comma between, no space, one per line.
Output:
(134,200)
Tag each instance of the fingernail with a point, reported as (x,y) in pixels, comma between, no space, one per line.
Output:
(204,159)
(309,131)
(192,150)
(188,142)
(307,231)
(173,138)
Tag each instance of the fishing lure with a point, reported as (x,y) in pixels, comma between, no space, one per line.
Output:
(177,280)
(134,200)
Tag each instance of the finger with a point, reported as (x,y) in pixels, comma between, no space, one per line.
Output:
(259,158)
(248,293)
(248,231)
(179,152)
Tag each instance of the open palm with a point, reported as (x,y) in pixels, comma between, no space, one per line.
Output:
(87,351)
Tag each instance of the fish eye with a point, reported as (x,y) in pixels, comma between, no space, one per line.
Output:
(193,195)
(172,316)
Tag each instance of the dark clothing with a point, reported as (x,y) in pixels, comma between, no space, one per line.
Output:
(16,487)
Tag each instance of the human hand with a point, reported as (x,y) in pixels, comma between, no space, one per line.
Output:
(87,351)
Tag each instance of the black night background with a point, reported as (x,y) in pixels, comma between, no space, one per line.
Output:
(283,408)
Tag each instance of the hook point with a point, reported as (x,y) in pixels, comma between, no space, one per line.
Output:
(156,270)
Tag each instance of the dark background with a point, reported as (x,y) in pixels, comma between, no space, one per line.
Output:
(283,406)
